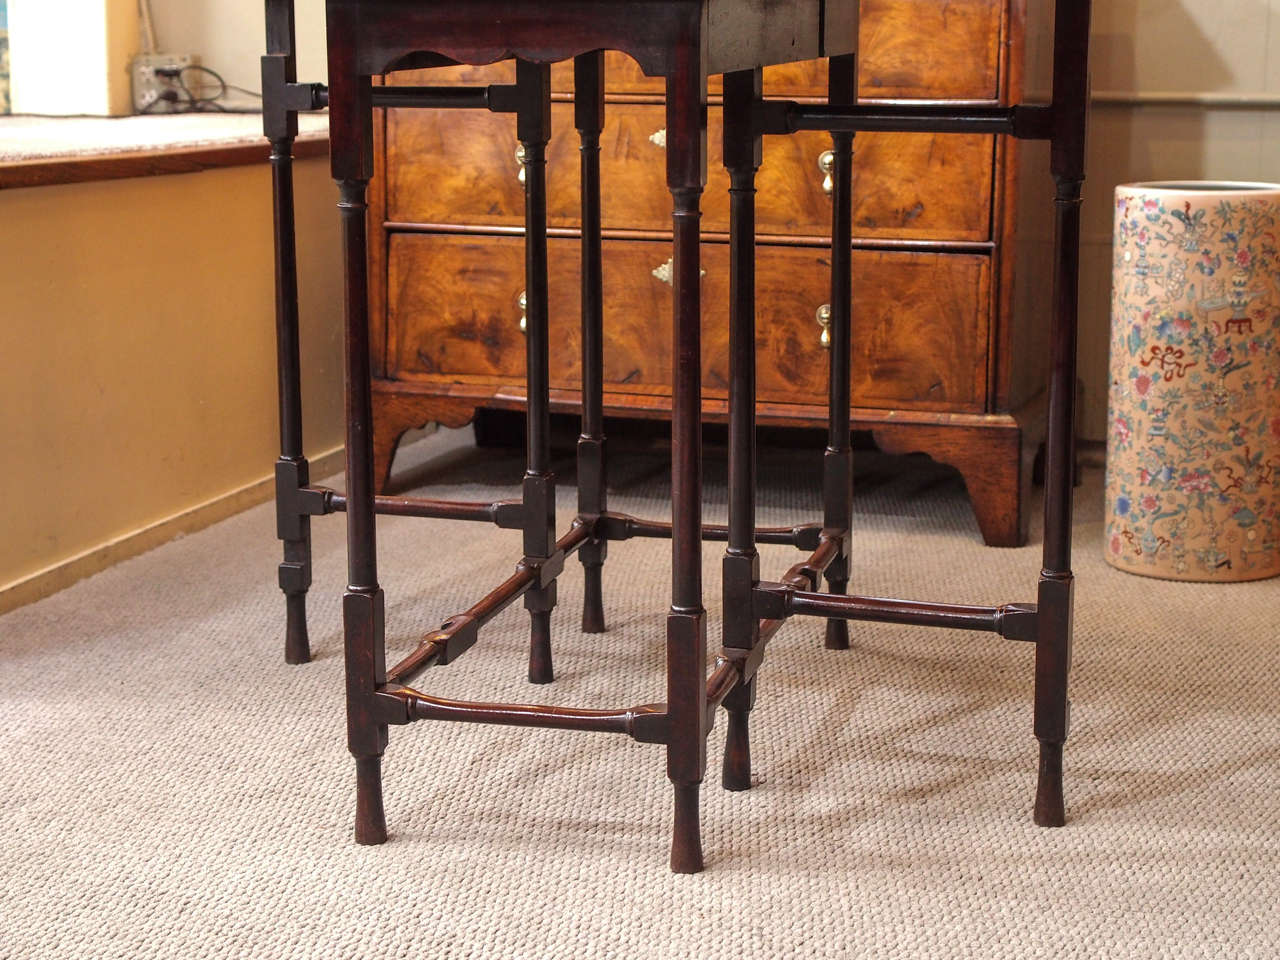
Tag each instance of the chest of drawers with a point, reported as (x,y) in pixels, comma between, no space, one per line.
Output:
(934,329)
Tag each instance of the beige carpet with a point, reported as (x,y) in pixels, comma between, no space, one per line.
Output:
(172,789)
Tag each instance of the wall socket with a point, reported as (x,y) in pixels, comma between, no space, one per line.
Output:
(153,93)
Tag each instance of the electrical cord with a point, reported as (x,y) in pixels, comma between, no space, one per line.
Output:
(222,85)
(198,104)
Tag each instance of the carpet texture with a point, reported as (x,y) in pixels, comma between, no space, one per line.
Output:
(172,789)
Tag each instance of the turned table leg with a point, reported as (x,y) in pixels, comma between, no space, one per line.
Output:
(742,155)
(533,127)
(351,153)
(686,623)
(1053,647)
(588,87)
(837,463)
(362,604)
(293,523)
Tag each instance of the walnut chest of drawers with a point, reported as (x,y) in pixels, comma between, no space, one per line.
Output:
(935,335)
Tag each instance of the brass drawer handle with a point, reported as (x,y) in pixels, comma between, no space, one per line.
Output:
(664,272)
(826,164)
(659,138)
(520,159)
(823,316)
(523,303)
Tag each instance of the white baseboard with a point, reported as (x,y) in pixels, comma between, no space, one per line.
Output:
(63,574)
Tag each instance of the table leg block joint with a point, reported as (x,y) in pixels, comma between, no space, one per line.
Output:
(1052,708)
(687,731)
(362,613)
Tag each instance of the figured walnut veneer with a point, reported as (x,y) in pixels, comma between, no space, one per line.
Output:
(933,220)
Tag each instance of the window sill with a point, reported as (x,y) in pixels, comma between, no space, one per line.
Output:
(38,151)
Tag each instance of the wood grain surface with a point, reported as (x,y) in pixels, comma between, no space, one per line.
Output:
(919,325)
(459,166)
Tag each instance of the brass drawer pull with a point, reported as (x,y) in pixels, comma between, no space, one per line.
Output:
(823,316)
(523,303)
(664,272)
(826,164)
(520,159)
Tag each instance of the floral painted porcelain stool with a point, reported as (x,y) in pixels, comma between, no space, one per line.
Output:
(1193,449)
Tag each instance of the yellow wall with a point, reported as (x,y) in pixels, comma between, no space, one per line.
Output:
(122,42)
(137,351)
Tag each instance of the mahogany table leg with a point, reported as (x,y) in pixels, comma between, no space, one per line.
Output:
(362,604)
(1055,595)
(742,155)
(292,471)
(588,87)
(533,128)
(686,623)
(351,153)
(293,526)
(837,472)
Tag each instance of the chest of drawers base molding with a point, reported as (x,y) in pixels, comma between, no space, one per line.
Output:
(994,453)
(934,327)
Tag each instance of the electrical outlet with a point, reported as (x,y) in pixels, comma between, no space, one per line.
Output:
(154,93)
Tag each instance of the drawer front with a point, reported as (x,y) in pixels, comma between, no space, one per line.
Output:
(454,315)
(908,49)
(919,328)
(461,167)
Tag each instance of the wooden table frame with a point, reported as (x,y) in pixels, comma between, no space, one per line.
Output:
(683,41)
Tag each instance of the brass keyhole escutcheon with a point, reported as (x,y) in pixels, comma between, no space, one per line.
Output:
(826,164)
(520,159)
(823,316)
(665,272)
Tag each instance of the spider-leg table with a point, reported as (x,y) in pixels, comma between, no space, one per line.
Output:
(684,41)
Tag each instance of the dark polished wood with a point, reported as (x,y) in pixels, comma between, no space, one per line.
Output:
(504,513)
(1015,621)
(459,633)
(686,622)
(837,461)
(743,148)
(533,128)
(293,526)
(671,40)
(684,42)
(593,500)
(621,526)
(1057,583)
(636,722)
